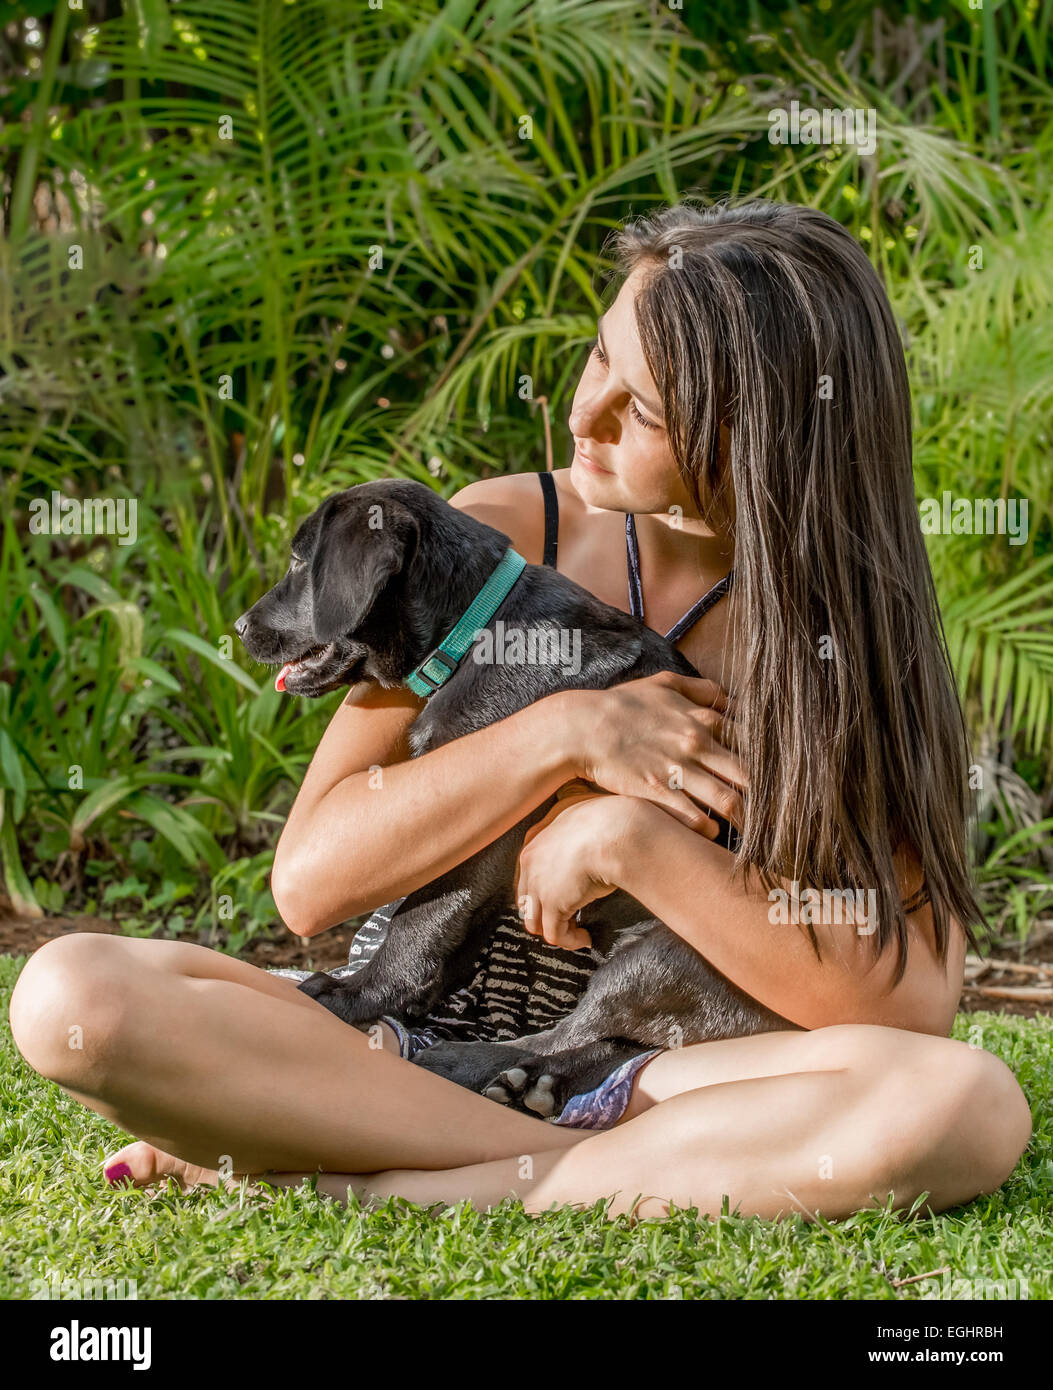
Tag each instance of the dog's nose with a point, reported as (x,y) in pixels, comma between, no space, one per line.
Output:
(241,625)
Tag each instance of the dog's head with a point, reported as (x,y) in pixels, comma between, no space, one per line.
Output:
(375,573)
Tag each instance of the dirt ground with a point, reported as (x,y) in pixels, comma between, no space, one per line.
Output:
(1012,981)
(1008,981)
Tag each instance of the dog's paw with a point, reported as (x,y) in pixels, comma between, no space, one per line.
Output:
(467,1063)
(527,1087)
(317,984)
(339,996)
(498,1071)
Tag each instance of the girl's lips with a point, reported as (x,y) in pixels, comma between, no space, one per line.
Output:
(590,464)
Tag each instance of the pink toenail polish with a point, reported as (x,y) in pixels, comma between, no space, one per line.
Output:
(116,1171)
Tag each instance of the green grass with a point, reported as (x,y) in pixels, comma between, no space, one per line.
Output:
(58,1221)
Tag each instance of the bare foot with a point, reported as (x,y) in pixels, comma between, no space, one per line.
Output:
(140,1165)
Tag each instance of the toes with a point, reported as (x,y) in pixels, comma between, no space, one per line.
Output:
(142,1165)
(515,1077)
(136,1165)
(497,1093)
(540,1098)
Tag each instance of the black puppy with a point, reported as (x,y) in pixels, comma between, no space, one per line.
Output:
(379,575)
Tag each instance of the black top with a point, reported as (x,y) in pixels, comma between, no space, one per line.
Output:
(632,556)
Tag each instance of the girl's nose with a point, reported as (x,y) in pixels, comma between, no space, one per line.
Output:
(593,420)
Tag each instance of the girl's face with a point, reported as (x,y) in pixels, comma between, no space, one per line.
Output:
(622,460)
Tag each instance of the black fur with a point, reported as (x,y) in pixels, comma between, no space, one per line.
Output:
(380,575)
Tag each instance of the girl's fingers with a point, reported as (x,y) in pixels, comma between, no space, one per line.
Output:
(682,808)
(720,764)
(726,731)
(714,741)
(529,913)
(699,690)
(556,928)
(716,796)
(564,932)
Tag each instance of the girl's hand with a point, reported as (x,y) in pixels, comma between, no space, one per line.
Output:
(667,738)
(567,861)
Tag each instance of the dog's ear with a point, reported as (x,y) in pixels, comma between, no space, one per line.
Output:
(357,550)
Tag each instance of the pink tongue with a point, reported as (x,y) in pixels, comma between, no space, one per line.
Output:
(279,683)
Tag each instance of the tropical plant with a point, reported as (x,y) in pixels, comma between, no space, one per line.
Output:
(256,253)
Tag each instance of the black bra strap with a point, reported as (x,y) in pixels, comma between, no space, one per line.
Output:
(548,491)
(693,614)
(632,561)
(701,608)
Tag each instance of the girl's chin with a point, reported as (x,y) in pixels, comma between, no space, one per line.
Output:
(606,491)
(595,486)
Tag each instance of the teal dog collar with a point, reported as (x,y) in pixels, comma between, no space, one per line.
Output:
(439,665)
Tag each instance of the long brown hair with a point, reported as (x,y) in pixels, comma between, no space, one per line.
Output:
(768,319)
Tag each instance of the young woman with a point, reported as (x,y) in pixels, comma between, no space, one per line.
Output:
(745,407)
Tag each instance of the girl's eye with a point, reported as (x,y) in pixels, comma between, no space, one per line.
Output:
(647,424)
(601,357)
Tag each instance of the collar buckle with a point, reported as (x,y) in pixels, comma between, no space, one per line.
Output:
(435,678)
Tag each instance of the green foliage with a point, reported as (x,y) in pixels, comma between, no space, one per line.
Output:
(322,244)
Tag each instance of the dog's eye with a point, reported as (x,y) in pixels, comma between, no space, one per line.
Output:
(295,563)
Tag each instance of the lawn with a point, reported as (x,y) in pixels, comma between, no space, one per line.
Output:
(59,1222)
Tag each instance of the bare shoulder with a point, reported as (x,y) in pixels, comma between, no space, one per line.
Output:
(511,503)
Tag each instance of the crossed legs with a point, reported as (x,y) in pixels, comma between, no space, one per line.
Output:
(218,1065)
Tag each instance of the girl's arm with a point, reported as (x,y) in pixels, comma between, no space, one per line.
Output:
(687,882)
(368,826)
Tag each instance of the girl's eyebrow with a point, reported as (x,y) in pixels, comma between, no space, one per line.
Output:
(640,396)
